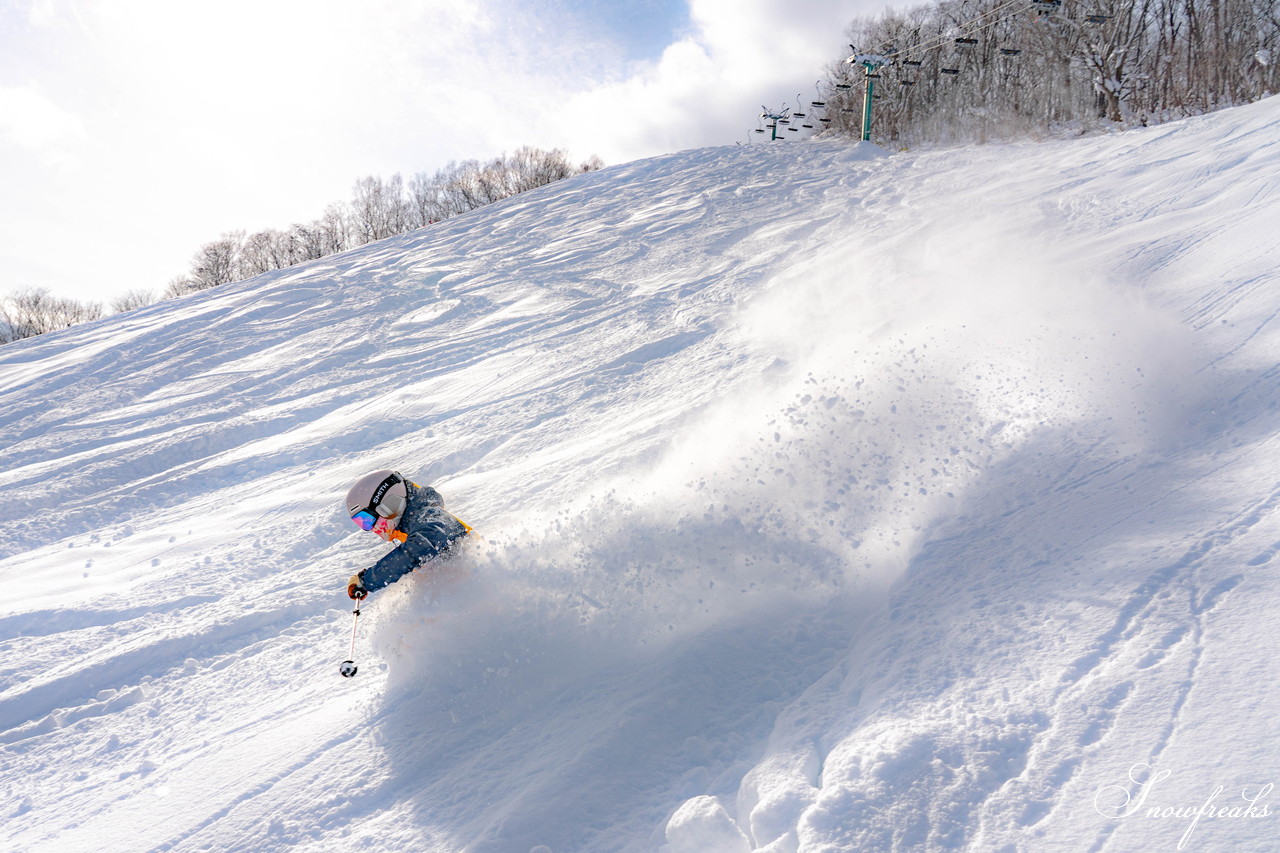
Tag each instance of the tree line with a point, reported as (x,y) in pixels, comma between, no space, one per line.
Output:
(972,70)
(378,208)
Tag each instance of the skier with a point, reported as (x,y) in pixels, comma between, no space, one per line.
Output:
(399,511)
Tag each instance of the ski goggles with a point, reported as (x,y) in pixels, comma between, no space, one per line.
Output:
(365,519)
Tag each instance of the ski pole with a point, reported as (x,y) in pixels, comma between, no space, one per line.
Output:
(348,667)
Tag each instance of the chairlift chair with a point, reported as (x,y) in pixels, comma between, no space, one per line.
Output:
(966,42)
(820,103)
(1010,51)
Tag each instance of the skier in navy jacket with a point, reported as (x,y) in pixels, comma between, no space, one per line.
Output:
(399,511)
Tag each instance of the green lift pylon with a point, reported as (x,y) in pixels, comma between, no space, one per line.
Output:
(871,64)
(775,117)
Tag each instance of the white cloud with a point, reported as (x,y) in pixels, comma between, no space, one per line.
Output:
(707,89)
(42,13)
(34,122)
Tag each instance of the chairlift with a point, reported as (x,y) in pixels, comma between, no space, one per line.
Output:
(907,82)
(844,86)
(820,103)
(1010,51)
(825,120)
(1097,19)
(952,71)
(966,42)
(914,63)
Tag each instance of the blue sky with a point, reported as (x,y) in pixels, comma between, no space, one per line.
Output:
(132,131)
(642,29)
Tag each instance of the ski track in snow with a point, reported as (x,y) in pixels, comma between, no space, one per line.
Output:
(828,500)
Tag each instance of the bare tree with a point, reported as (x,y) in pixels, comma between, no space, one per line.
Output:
(217,262)
(258,254)
(131,300)
(334,230)
(179,286)
(974,69)
(34,311)
(379,209)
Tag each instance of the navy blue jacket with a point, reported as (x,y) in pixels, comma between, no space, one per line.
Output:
(429,531)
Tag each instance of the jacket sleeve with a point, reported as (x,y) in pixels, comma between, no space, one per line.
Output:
(430,496)
(428,540)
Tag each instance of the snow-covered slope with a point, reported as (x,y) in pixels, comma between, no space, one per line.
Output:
(829,501)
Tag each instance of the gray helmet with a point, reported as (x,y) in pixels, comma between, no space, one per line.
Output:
(380,493)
